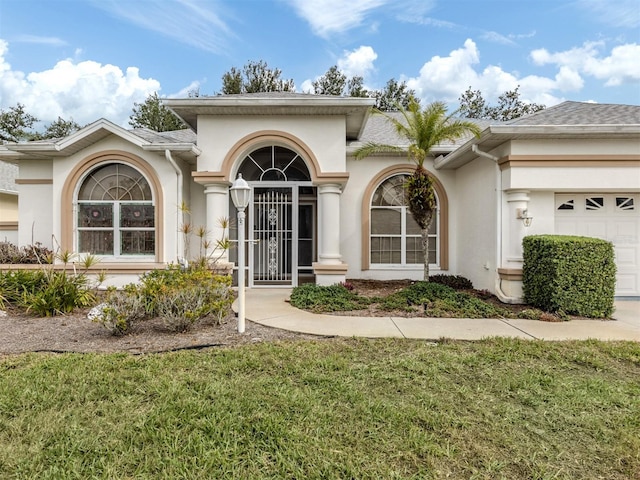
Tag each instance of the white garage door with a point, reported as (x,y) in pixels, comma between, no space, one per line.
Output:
(612,216)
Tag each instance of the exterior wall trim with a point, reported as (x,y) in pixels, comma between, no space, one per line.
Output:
(603,161)
(366,207)
(510,274)
(34,181)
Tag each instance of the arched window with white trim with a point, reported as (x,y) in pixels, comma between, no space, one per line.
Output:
(115,213)
(394,235)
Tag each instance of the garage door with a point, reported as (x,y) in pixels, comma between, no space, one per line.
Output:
(614,217)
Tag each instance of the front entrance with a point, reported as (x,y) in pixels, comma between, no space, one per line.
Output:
(282,228)
(281,219)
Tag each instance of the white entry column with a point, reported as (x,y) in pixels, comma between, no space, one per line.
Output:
(329,269)
(217,203)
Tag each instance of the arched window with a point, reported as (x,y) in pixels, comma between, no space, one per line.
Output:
(394,234)
(274,164)
(115,212)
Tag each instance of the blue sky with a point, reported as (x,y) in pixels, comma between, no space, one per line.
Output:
(86,59)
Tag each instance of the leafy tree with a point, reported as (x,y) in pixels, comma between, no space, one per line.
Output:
(60,128)
(16,125)
(355,87)
(510,106)
(255,77)
(331,83)
(154,115)
(424,129)
(395,95)
(334,82)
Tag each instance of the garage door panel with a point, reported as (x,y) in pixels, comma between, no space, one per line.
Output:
(597,229)
(627,285)
(612,217)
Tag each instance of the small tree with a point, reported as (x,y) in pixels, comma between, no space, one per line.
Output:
(424,129)
(154,115)
(255,77)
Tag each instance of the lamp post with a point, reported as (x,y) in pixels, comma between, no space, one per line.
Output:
(240,194)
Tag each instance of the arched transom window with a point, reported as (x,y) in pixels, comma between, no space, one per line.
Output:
(274,164)
(115,212)
(395,235)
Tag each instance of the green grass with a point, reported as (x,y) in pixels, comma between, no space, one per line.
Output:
(365,409)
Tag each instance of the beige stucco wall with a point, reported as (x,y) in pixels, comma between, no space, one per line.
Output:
(35,206)
(476,222)
(322,135)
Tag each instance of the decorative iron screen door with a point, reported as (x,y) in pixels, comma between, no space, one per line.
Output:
(273,224)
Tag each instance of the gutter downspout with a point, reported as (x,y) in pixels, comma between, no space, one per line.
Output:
(498,283)
(179,246)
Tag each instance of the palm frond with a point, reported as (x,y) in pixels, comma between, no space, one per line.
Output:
(372,148)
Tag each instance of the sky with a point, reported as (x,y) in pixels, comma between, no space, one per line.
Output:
(91,59)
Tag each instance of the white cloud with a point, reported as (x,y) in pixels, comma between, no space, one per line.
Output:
(619,67)
(358,62)
(191,22)
(327,17)
(84,91)
(446,78)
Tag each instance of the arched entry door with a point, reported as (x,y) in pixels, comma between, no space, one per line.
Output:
(281,219)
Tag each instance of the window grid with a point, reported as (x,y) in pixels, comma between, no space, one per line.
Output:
(115,215)
(394,244)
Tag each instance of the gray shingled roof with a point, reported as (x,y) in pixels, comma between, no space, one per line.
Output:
(379,130)
(8,175)
(579,113)
(176,136)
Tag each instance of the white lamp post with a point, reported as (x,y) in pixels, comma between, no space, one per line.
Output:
(240,194)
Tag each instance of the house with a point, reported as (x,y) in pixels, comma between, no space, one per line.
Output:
(316,213)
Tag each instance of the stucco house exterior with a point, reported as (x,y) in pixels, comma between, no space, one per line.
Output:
(316,213)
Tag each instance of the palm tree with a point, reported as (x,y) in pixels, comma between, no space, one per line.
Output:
(424,129)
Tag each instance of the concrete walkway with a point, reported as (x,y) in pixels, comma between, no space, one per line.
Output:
(270,307)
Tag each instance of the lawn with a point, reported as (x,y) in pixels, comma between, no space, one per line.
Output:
(343,408)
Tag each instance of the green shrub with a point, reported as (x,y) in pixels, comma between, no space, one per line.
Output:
(332,298)
(121,309)
(457,282)
(569,275)
(59,293)
(441,301)
(179,297)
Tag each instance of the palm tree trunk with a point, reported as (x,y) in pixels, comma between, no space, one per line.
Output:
(424,234)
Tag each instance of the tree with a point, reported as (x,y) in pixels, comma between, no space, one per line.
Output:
(60,128)
(473,105)
(154,115)
(255,77)
(16,125)
(424,129)
(394,95)
(331,83)
(334,82)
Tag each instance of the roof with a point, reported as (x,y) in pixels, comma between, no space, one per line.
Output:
(355,109)
(579,113)
(566,120)
(181,142)
(379,130)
